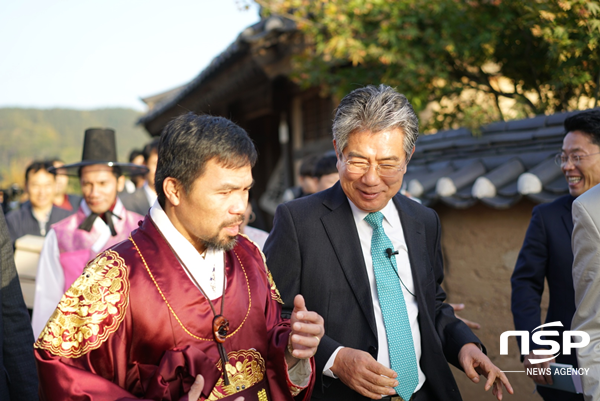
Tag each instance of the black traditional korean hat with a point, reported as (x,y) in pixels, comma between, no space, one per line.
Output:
(100,147)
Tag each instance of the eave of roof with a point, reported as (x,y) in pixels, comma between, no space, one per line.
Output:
(271,26)
(506,162)
(157,98)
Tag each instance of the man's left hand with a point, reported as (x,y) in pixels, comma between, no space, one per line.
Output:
(475,363)
(307,331)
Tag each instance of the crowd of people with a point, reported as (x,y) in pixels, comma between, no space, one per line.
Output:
(155,287)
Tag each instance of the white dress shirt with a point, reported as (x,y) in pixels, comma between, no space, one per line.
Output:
(200,268)
(50,278)
(393,229)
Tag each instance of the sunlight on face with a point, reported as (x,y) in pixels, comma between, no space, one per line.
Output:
(586,174)
(368,191)
(41,187)
(211,213)
(99,187)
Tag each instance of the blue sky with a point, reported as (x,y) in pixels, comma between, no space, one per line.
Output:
(101,53)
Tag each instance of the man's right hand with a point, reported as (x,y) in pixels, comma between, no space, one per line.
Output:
(538,379)
(363,374)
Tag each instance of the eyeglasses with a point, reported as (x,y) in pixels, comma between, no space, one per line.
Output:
(384,170)
(561,159)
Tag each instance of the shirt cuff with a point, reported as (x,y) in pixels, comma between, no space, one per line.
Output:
(299,376)
(327,369)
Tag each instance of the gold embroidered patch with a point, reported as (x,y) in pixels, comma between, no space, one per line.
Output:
(274,291)
(90,310)
(262,395)
(245,369)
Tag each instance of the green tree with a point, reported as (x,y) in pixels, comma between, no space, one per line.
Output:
(465,57)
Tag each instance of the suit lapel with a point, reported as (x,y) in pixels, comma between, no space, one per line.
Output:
(343,235)
(414,235)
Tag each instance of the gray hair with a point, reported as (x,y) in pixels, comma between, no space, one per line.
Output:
(375,109)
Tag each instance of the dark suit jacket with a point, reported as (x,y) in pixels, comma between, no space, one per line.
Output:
(136,202)
(18,375)
(22,221)
(314,250)
(546,254)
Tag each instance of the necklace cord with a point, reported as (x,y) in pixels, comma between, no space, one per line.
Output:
(223,322)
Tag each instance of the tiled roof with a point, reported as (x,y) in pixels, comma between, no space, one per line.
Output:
(505,162)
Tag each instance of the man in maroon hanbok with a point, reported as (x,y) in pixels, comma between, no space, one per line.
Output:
(158,316)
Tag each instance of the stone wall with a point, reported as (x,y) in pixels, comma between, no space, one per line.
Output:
(481,246)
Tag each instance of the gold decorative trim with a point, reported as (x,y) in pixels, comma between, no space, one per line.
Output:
(295,390)
(90,311)
(248,369)
(175,314)
(275,295)
(274,291)
(248,238)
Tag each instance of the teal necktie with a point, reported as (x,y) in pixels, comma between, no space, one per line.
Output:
(395,317)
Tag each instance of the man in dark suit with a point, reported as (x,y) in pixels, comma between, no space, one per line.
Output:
(18,377)
(546,253)
(369,261)
(35,216)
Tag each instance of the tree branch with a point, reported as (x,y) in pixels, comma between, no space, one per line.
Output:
(533,71)
(497,101)
(597,90)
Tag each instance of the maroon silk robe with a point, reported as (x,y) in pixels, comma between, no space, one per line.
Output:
(133,326)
